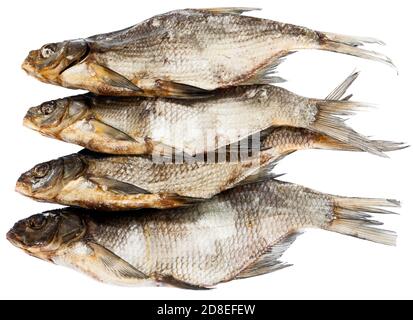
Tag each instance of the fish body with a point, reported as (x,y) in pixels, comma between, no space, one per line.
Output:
(140,125)
(238,234)
(136,125)
(133,182)
(183,54)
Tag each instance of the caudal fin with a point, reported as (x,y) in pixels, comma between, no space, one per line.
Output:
(327,143)
(350,45)
(387,146)
(329,122)
(322,141)
(352,217)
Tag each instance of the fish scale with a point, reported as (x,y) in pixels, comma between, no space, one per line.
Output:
(207,33)
(162,177)
(182,253)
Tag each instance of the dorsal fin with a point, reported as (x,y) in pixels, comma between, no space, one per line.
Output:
(342,88)
(227,10)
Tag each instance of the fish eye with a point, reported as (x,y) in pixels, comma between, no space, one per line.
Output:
(48,107)
(47,51)
(41,170)
(37,222)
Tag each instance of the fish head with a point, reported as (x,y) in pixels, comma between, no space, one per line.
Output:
(43,235)
(52,59)
(51,117)
(46,180)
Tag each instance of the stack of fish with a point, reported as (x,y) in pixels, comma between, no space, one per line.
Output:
(181,116)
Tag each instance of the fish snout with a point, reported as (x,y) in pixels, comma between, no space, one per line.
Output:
(27,64)
(30,66)
(28,120)
(13,238)
(23,185)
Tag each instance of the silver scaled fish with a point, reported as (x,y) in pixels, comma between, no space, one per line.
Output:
(136,125)
(112,183)
(238,234)
(184,54)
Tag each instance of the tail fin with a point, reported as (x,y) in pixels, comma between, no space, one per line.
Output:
(327,143)
(387,146)
(351,217)
(329,123)
(350,45)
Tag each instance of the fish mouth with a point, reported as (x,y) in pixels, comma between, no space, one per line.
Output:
(31,70)
(23,187)
(13,238)
(28,64)
(16,241)
(29,123)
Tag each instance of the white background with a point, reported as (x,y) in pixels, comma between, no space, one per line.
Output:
(326,265)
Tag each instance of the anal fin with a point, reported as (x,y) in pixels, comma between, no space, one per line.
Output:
(269,261)
(264,173)
(170,280)
(266,74)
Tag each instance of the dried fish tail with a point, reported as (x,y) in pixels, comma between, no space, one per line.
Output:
(350,45)
(329,122)
(351,216)
(327,143)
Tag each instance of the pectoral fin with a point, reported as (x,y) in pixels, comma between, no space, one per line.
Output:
(180,90)
(113,264)
(228,10)
(100,263)
(113,78)
(108,131)
(117,186)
